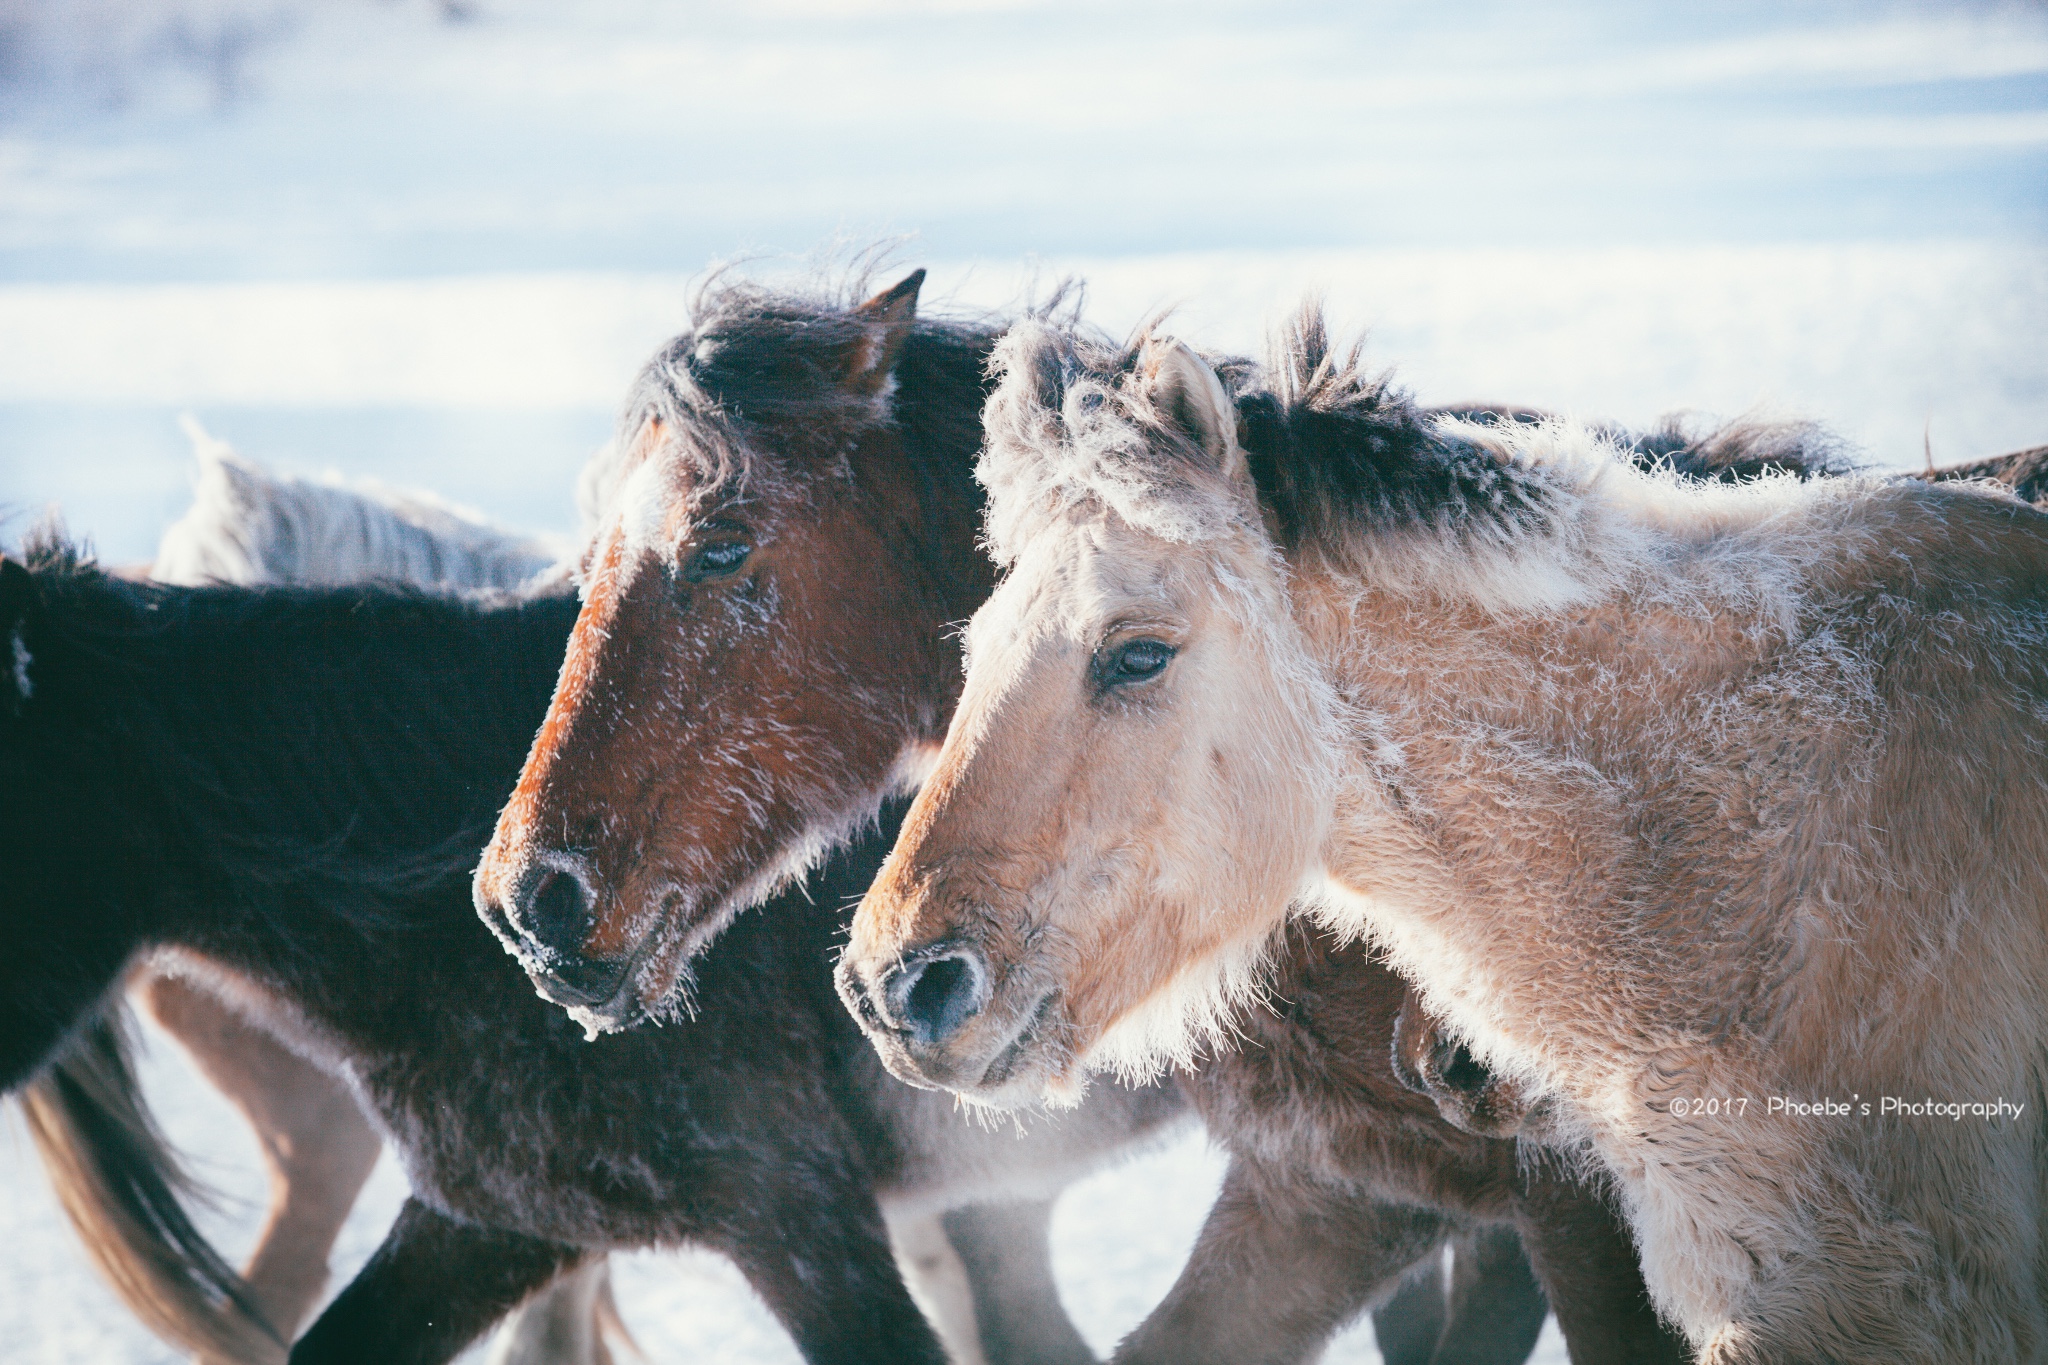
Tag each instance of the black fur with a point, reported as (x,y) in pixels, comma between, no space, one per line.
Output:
(1332,447)
(293,784)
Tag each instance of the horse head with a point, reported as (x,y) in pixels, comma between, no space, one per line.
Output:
(784,527)
(1092,874)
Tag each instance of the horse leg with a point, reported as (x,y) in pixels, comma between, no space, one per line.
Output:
(937,1276)
(315,1141)
(434,1286)
(1007,1252)
(1587,1265)
(1407,1327)
(824,1267)
(1496,1307)
(1281,1265)
(563,1324)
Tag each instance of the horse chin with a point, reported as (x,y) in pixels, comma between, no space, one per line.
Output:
(655,984)
(1028,1066)
(624,1010)
(650,985)
(598,1022)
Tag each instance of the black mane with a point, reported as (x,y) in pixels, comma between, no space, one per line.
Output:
(1334,448)
(773,361)
(1331,446)
(238,693)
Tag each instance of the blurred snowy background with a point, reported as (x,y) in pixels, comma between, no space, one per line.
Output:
(430,242)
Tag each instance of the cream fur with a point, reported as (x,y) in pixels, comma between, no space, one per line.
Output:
(1658,790)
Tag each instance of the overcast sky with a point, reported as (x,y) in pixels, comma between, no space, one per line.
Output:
(181,139)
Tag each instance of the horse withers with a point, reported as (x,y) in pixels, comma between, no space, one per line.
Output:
(1707,814)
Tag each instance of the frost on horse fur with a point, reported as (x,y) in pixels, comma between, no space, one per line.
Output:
(1659,791)
(762,654)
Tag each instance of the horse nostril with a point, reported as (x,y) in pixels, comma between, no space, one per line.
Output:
(1465,1073)
(555,915)
(934,998)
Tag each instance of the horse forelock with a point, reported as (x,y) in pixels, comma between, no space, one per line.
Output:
(1072,423)
(754,400)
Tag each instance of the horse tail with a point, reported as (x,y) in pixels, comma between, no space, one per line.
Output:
(119,1183)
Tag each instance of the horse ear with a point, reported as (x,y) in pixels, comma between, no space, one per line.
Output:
(1186,390)
(887,318)
(644,443)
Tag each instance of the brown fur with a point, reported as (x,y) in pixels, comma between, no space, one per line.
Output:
(2025,472)
(797,686)
(1432,1060)
(1341,1182)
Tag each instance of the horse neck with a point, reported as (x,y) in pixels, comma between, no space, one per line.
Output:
(1534,749)
(241,744)
(941,386)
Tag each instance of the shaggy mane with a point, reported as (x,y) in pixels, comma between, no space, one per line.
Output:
(1337,451)
(1339,456)
(249,525)
(278,802)
(757,357)
(1070,421)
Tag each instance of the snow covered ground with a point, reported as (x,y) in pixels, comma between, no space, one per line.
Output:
(377,238)
(1119,1239)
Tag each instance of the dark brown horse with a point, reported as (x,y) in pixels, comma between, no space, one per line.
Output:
(281,793)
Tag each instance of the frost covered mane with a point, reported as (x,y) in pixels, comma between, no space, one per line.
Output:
(756,356)
(1072,421)
(1508,509)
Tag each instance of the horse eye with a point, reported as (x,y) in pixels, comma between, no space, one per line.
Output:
(719,559)
(1133,661)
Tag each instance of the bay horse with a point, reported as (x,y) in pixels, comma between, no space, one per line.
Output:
(784,535)
(1708,814)
(280,792)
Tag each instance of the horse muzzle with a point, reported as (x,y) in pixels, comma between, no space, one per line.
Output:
(938,1020)
(544,916)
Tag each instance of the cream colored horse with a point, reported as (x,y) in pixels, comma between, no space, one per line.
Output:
(1683,803)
